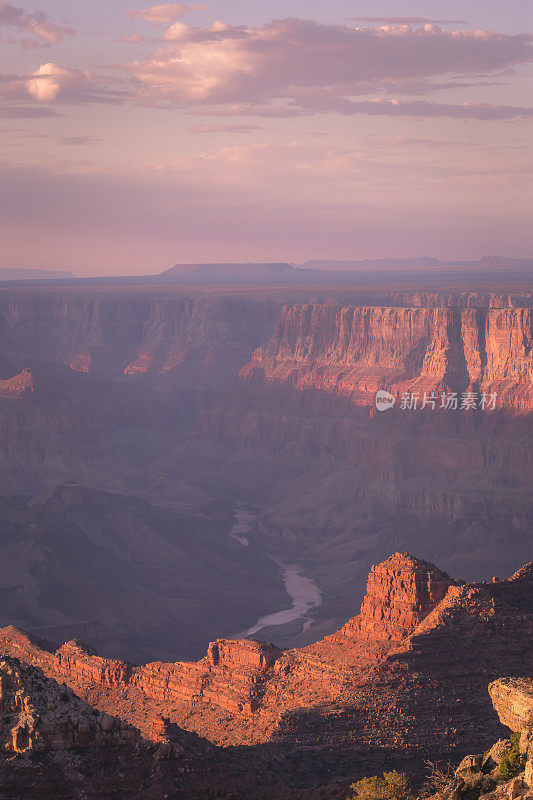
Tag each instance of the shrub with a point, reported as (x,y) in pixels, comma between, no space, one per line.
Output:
(438,778)
(392,786)
(512,762)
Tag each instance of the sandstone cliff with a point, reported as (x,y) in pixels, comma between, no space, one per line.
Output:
(111,334)
(123,372)
(356,351)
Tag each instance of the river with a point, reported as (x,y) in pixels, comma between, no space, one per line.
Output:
(303,591)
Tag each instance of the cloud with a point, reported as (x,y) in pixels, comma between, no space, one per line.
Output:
(166,12)
(77,141)
(38,23)
(224,128)
(422,108)
(248,164)
(26,112)
(294,66)
(405,142)
(134,38)
(411,21)
(52,82)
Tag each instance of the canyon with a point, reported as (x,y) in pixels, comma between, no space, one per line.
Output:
(200,400)
(197,494)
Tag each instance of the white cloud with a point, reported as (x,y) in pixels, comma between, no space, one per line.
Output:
(52,82)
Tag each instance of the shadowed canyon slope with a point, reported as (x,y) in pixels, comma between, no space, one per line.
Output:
(201,400)
(135,579)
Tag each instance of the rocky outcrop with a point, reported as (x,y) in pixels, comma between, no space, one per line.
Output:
(232,677)
(18,386)
(38,714)
(513,700)
(505,770)
(76,658)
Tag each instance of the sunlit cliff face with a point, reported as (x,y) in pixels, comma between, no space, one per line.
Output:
(141,136)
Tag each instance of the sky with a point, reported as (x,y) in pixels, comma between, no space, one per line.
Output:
(137,136)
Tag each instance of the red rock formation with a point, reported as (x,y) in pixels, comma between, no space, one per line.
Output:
(414,664)
(400,593)
(231,677)
(127,333)
(76,658)
(38,714)
(513,701)
(356,350)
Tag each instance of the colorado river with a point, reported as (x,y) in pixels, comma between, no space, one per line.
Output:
(303,591)
(305,595)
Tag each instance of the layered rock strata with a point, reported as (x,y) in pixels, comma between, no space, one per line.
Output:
(400,593)
(356,351)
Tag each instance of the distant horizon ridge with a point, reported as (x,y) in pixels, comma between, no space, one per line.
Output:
(276,270)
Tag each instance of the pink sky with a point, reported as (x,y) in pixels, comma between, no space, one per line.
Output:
(144,136)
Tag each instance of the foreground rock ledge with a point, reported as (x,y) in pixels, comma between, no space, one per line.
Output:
(513,700)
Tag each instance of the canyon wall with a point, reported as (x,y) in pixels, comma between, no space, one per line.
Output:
(336,476)
(124,333)
(110,380)
(356,351)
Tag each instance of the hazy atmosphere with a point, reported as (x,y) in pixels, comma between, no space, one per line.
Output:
(263,131)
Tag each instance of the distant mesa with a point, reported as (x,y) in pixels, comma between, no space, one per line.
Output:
(26,274)
(228,272)
(431,272)
(418,264)
(327,270)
